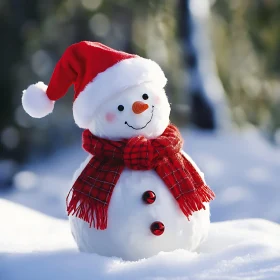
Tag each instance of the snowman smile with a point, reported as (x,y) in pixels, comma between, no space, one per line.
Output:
(145,124)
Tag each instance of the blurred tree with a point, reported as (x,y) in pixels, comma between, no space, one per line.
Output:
(13,15)
(10,50)
(208,103)
(247,43)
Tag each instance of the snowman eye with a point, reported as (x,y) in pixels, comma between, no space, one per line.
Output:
(120,108)
(145,96)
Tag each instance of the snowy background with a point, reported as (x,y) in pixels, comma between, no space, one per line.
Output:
(230,123)
(243,170)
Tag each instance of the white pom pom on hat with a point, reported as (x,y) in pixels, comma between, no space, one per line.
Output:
(98,72)
(35,102)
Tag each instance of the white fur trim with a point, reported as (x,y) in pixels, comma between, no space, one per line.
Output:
(35,101)
(126,73)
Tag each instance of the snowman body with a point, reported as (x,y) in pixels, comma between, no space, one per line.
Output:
(128,232)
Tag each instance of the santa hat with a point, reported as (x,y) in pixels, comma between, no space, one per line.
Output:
(97,72)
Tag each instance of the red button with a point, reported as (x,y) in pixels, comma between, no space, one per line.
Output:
(149,197)
(157,228)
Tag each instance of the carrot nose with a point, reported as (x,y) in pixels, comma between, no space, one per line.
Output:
(139,107)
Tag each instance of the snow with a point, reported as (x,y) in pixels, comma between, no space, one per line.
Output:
(242,169)
(35,246)
(29,231)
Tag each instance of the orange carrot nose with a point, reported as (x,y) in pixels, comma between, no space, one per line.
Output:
(139,107)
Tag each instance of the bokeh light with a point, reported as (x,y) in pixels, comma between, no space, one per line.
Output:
(91,5)
(99,25)
(10,137)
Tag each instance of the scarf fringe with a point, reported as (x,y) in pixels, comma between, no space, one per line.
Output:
(194,201)
(81,206)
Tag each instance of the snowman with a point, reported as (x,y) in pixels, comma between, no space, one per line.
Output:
(137,193)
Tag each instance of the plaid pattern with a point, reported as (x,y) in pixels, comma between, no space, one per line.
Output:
(90,195)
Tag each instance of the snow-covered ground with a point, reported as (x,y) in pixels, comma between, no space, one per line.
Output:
(242,169)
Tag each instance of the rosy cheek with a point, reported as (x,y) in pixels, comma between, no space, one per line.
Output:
(110,117)
(157,99)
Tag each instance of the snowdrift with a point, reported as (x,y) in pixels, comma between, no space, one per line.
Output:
(34,246)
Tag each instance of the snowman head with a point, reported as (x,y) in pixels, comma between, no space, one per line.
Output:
(139,110)
(117,95)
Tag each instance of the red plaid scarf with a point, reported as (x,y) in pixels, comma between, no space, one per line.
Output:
(92,191)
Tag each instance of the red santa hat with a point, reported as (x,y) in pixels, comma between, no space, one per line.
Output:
(97,72)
